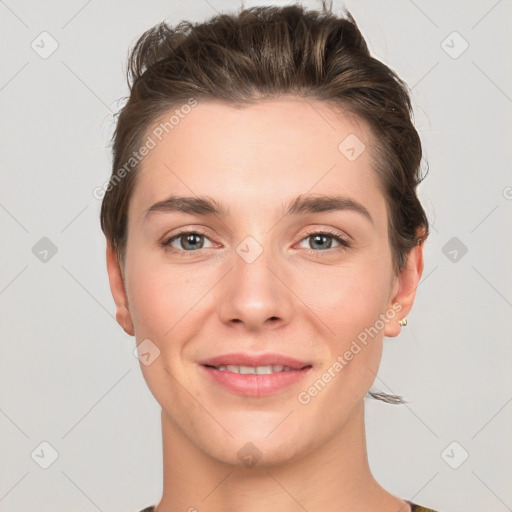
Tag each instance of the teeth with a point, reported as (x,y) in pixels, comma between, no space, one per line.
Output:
(258,370)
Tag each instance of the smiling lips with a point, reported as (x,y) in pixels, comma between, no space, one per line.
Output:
(255,375)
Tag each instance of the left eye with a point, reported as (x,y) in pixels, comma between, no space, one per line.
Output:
(324,240)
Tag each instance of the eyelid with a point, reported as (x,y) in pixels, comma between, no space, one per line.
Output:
(329,231)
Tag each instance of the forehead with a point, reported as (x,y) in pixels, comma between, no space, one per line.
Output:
(266,151)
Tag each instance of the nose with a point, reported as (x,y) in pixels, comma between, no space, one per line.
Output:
(255,294)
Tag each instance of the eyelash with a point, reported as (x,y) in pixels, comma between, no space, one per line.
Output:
(343,243)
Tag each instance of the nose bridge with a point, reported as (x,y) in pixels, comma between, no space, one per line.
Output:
(252,292)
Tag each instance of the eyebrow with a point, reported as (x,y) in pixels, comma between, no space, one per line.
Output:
(302,204)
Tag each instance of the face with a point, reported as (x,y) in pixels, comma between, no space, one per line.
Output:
(281,269)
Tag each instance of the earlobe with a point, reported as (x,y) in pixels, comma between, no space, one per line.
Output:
(405,290)
(117,288)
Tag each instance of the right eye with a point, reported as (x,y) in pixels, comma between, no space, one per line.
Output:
(190,241)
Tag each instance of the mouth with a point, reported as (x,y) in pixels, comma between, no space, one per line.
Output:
(255,375)
(256,370)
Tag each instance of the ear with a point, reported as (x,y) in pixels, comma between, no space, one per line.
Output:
(117,288)
(404,289)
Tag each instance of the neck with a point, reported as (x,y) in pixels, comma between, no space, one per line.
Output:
(332,478)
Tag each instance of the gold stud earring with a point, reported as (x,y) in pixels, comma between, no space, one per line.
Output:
(403,322)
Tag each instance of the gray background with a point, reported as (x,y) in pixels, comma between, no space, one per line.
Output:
(68,376)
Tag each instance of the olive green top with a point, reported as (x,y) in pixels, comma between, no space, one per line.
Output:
(414,508)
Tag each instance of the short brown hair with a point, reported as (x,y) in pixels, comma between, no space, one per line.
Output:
(267,52)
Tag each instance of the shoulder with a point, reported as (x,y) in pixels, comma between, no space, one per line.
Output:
(416,508)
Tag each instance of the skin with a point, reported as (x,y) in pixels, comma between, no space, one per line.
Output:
(211,301)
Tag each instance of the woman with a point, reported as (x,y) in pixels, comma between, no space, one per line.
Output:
(263,237)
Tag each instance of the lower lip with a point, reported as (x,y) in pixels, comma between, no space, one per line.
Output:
(255,385)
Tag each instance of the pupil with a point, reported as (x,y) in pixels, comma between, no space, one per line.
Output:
(190,240)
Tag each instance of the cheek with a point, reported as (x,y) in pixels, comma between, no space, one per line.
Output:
(350,302)
(348,299)
(162,310)
(159,299)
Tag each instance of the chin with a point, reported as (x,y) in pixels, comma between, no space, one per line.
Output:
(257,454)
(254,445)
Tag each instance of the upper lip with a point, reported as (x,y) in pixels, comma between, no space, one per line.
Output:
(241,359)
